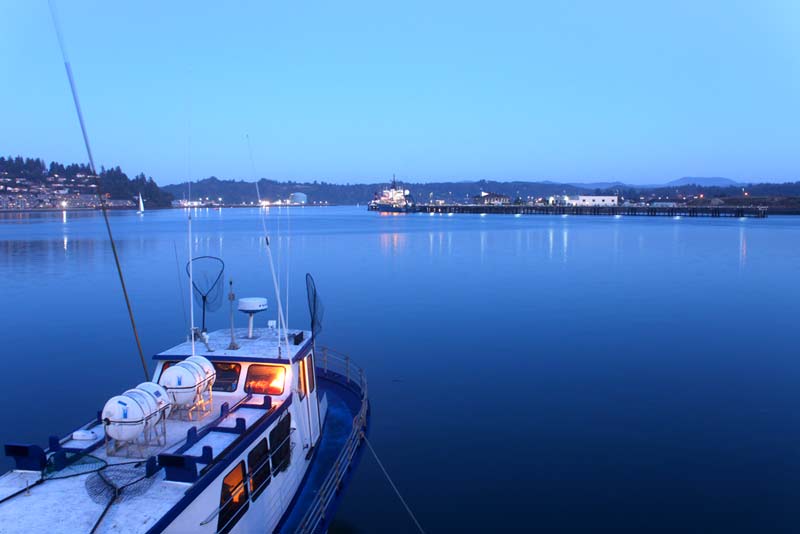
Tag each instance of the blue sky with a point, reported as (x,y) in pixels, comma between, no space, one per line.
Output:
(641,92)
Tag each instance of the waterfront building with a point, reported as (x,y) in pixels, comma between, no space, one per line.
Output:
(491,199)
(591,200)
(298,198)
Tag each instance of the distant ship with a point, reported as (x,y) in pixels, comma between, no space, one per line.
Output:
(393,200)
(141,205)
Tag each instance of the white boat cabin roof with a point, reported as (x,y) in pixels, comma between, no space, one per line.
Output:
(264,345)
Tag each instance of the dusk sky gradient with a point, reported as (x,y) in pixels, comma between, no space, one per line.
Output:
(640,92)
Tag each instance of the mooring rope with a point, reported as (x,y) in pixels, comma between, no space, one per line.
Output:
(394,487)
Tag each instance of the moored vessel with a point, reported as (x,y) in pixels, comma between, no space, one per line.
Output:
(241,430)
(392,200)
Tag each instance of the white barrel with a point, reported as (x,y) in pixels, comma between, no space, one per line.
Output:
(159,395)
(208,369)
(197,370)
(182,382)
(147,402)
(124,418)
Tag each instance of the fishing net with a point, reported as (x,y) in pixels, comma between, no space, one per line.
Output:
(207,283)
(315,306)
(124,481)
(64,465)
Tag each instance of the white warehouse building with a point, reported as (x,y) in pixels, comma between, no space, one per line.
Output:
(592,200)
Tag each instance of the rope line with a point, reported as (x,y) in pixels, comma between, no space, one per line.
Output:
(103,206)
(397,491)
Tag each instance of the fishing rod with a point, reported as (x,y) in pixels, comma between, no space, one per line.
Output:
(98,185)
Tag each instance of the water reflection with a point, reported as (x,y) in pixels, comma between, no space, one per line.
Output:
(26,217)
(742,247)
(392,242)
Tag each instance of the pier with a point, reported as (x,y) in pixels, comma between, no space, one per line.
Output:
(648,211)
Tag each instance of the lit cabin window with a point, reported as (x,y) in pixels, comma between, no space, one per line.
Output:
(227,376)
(310,370)
(280,444)
(232,500)
(265,379)
(302,379)
(258,463)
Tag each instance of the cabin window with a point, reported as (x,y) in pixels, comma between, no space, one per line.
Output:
(232,500)
(227,376)
(265,379)
(301,379)
(258,462)
(310,370)
(280,444)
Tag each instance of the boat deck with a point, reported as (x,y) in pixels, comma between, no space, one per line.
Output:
(74,498)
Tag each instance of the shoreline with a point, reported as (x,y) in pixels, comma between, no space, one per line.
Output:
(792,212)
(58,210)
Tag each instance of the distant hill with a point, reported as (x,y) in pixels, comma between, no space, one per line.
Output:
(35,177)
(600,185)
(704,182)
(239,191)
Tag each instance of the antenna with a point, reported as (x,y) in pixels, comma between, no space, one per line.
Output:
(231,299)
(208,291)
(102,200)
(281,318)
(288,256)
(191,273)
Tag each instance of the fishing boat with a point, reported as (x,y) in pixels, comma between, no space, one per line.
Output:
(247,429)
(392,200)
(141,205)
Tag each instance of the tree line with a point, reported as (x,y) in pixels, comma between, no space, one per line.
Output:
(113,181)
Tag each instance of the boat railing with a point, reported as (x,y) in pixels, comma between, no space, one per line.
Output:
(250,478)
(341,364)
(335,362)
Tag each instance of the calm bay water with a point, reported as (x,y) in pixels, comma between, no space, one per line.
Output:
(553,373)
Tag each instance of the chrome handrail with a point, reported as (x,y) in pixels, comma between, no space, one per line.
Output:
(315,515)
